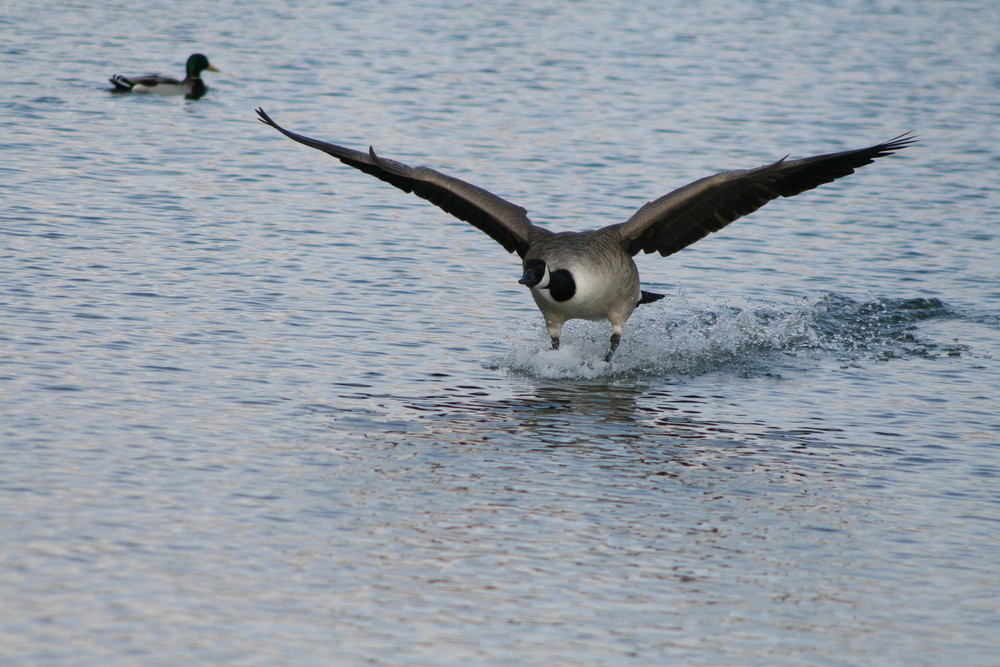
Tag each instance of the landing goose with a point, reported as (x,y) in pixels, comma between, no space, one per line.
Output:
(192,87)
(590,275)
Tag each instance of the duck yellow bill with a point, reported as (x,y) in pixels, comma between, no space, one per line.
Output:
(213,68)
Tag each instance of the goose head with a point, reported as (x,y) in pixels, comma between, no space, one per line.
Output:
(536,274)
(560,283)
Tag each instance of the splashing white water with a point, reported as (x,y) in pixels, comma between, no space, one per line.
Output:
(749,339)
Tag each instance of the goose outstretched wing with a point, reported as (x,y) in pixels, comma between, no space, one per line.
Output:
(680,218)
(504,222)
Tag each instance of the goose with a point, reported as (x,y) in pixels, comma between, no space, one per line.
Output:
(590,275)
(192,87)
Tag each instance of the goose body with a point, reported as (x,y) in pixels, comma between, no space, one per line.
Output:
(591,275)
(585,276)
(192,87)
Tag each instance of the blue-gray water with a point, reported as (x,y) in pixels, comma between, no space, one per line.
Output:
(260,408)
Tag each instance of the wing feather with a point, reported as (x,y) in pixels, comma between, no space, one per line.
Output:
(690,213)
(504,222)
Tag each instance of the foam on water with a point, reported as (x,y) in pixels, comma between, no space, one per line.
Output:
(747,339)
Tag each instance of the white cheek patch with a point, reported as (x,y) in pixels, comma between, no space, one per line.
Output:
(546,278)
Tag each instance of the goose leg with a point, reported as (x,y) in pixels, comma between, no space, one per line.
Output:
(554,323)
(615,339)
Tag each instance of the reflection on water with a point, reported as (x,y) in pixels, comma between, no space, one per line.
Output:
(256,407)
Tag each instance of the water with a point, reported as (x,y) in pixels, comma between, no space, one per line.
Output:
(259,408)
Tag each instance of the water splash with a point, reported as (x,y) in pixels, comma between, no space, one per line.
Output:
(749,340)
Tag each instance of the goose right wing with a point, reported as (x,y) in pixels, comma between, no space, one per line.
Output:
(504,222)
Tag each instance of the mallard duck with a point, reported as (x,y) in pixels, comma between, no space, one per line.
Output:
(590,275)
(192,87)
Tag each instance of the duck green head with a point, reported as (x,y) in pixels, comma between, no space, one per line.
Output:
(197,64)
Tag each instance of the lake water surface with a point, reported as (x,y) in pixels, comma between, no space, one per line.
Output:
(260,408)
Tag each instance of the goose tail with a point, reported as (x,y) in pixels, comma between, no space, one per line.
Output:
(648,297)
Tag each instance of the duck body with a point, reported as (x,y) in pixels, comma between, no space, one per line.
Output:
(591,275)
(191,87)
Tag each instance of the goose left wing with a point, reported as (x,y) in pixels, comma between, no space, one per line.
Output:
(504,222)
(690,213)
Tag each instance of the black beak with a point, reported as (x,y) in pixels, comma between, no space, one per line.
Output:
(534,271)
